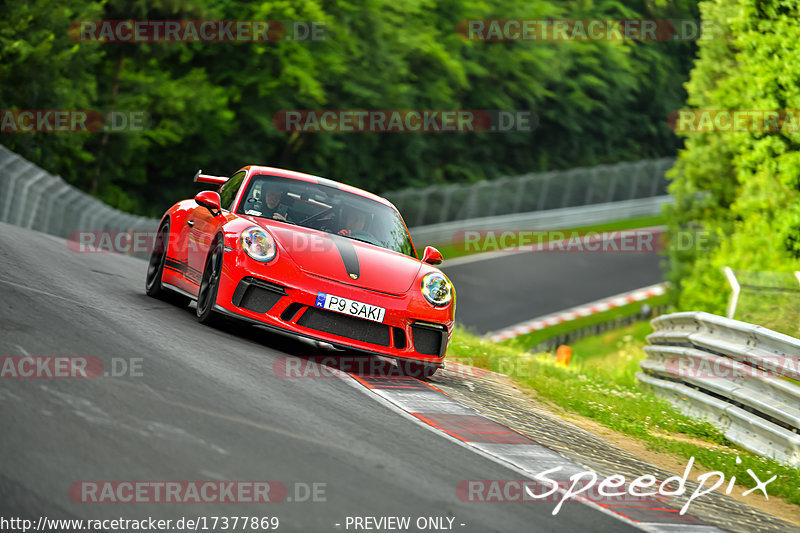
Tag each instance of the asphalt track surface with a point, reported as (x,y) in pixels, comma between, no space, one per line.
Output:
(207,406)
(512,288)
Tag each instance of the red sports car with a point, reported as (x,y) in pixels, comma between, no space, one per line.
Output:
(309,256)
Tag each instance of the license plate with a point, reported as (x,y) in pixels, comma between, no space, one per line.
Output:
(350,307)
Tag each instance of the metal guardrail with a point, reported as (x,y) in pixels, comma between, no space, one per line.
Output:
(739,376)
(542,191)
(32,198)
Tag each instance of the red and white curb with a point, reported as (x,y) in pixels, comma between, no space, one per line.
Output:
(573,313)
(424,403)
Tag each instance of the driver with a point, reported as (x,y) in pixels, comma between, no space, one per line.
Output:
(354,222)
(272,207)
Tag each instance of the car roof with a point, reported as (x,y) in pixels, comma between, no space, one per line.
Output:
(292,174)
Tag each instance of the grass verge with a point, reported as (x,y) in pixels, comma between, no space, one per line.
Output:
(599,384)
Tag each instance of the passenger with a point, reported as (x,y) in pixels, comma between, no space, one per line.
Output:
(354,222)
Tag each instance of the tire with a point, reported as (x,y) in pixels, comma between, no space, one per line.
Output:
(209,285)
(155,270)
(417,370)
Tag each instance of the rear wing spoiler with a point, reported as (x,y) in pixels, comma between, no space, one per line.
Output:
(207,178)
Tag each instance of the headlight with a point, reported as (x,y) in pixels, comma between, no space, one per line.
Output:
(437,289)
(258,244)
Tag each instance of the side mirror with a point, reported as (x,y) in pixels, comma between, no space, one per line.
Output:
(432,256)
(210,200)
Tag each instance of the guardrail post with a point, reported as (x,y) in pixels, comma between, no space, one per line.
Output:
(543,193)
(568,189)
(657,177)
(10,191)
(612,188)
(496,189)
(423,206)
(47,227)
(521,183)
(448,197)
(80,212)
(35,208)
(24,196)
(636,172)
(590,189)
(83,220)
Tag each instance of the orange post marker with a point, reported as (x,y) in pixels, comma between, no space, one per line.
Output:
(563,354)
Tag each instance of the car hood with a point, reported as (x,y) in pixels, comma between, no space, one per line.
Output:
(346,260)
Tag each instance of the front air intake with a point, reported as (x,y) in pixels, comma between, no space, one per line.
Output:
(257,295)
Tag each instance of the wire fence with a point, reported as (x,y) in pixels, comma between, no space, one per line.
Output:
(533,192)
(33,199)
(769,299)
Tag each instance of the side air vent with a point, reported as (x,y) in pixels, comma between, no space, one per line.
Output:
(429,339)
(399,338)
(290,311)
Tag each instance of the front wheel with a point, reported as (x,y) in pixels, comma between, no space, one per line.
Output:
(155,270)
(209,284)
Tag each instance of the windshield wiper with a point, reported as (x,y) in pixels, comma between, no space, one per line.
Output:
(374,243)
(312,217)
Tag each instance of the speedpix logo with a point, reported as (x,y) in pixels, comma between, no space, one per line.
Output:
(613,490)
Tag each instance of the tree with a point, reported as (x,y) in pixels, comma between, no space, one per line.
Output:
(741,188)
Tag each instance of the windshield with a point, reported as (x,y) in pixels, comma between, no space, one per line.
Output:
(327,209)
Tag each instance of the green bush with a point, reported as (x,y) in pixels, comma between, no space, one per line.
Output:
(742,188)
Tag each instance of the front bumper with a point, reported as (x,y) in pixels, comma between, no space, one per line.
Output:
(281,296)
